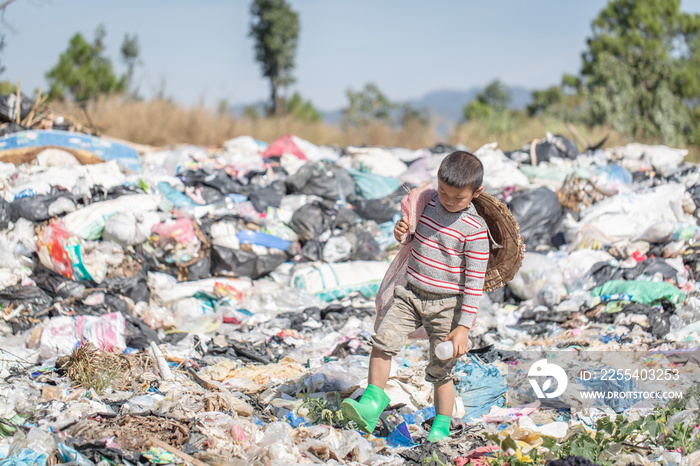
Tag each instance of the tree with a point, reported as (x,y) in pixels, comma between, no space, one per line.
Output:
(493,99)
(83,72)
(251,112)
(410,115)
(542,100)
(366,106)
(275,28)
(642,68)
(302,110)
(130,51)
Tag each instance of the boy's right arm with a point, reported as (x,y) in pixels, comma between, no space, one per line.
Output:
(401,230)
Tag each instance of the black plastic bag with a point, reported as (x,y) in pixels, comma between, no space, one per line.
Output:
(658,320)
(654,265)
(9,107)
(100,193)
(556,146)
(5,213)
(219,180)
(322,178)
(56,285)
(211,195)
(365,247)
(694,192)
(309,221)
(603,272)
(442,148)
(537,212)
(11,128)
(135,288)
(380,210)
(239,263)
(312,250)
(138,334)
(200,269)
(32,297)
(36,208)
(262,198)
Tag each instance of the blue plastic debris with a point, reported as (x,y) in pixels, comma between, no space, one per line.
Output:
(262,239)
(26,457)
(125,156)
(72,456)
(400,437)
(419,416)
(295,420)
(175,197)
(372,186)
(480,386)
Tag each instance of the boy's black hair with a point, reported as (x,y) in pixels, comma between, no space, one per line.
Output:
(460,169)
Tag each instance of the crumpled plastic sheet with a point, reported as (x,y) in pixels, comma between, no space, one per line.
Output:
(480,387)
(26,457)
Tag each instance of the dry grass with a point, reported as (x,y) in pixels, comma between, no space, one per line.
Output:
(524,130)
(520,131)
(92,368)
(163,123)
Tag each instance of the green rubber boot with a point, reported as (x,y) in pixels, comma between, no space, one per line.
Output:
(366,411)
(440,429)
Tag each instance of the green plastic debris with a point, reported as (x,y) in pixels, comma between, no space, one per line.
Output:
(641,291)
(159,456)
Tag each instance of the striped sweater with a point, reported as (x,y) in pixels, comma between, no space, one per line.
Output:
(449,256)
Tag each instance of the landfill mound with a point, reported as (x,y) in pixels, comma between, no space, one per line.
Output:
(214,306)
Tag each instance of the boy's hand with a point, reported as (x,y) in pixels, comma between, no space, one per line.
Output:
(460,340)
(401,230)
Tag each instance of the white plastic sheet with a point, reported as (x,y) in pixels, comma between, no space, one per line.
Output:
(625,216)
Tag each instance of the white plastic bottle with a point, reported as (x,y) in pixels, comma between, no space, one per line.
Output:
(445,349)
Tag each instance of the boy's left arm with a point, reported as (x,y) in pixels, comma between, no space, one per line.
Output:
(476,259)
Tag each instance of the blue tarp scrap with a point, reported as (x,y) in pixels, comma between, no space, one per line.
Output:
(126,157)
(419,416)
(26,457)
(372,186)
(480,387)
(262,239)
(400,437)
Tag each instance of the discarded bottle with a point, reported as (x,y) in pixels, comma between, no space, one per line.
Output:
(445,349)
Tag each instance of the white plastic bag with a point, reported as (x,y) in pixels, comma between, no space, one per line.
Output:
(625,216)
(537,271)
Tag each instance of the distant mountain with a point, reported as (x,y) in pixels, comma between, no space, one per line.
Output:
(448,104)
(444,105)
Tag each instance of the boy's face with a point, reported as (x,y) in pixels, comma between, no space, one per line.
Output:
(456,199)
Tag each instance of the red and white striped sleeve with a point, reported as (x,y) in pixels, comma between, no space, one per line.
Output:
(476,252)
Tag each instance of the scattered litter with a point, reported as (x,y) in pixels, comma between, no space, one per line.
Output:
(215,306)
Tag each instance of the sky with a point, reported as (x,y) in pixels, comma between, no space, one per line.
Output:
(199,53)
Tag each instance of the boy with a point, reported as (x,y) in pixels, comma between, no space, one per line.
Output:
(445,278)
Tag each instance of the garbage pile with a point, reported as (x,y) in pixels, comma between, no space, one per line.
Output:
(211,306)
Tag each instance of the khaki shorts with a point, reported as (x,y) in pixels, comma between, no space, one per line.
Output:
(412,308)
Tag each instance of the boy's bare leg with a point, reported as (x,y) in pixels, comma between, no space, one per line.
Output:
(367,410)
(444,398)
(379,368)
(444,403)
